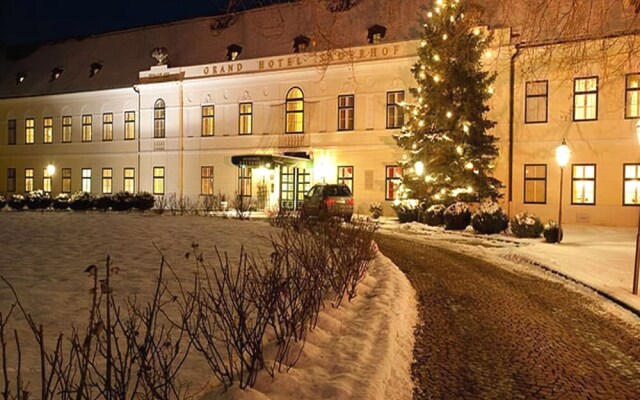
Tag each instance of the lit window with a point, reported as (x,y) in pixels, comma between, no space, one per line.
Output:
(86,180)
(208,120)
(395,113)
(87,133)
(47,130)
(129,180)
(301,44)
(46,181)
(29,130)
(345,176)
(376,33)
(246,119)
(158,180)
(107,180)
(535,183)
(631,185)
(583,179)
(233,52)
(66,180)
(107,127)
(66,129)
(346,112)
(632,96)
(11,179)
(158,119)
(585,99)
(12,132)
(129,125)
(536,102)
(393,178)
(295,111)
(206,180)
(28,179)
(244,181)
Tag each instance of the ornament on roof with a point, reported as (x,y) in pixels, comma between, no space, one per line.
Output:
(341,5)
(161,55)
(221,23)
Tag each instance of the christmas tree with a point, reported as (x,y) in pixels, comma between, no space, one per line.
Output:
(449,153)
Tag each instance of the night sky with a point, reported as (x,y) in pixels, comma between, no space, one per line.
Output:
(25,22)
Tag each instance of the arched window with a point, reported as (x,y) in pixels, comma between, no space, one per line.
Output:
(295,111)
(158,119)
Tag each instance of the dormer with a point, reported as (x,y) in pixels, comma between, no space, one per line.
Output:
(376,33)
(233,52)
(301,44)
(56,73)
(94,69)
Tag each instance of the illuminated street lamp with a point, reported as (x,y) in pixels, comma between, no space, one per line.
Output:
(563,153)
(51,169)
(636,267)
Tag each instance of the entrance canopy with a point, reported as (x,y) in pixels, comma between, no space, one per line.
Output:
(269,161)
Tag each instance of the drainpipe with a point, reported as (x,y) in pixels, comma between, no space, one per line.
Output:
(181,142)
(138,118)
(512,83)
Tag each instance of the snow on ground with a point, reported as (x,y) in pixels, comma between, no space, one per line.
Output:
(362,350)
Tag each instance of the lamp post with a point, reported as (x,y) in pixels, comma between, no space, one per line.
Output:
(636,267)
(562,157)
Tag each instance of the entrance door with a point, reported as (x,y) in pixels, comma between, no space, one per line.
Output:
(294,183)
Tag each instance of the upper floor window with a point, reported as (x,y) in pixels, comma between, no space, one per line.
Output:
(376,33)
(107,127)
(129,125)
(535,183)
(158,119)
(295,111)
(66,129)
(345,112)
(12,132)
(47,130)
(392,179)
(536,102)
(246,119)
(233,52)
(632,96)
(585,99)
(29,130)
(208,120)
(395,114)
(87,129)
(583,184)
(301,44)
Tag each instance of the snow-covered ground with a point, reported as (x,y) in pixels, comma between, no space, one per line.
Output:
(362,350)
(600,257)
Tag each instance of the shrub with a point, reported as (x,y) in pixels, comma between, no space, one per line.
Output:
(144,201)
(38,200)
(525,225)
(102,202)
(376,210)
(406,210)
(60,202)
(457,216)
(81,201)
(3,202)
(551,232)
(122,201)
(434,216)
(489,219)
(16,201)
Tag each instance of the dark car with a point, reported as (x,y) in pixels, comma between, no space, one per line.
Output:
(328,200)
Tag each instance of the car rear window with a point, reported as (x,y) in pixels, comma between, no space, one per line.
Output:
(338,191)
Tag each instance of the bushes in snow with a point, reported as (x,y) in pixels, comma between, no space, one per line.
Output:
(457,216)
(376,210)
(60,202)
(489,219)
(434,216)
(16,201)
(38,200)
(526,225)
(407,210)
(81,201)
(143,201)
(551,232)
(3,202)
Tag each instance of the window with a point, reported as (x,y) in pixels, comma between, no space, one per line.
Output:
(29,130)
(66,129)
(632,96)
(233,52)
(246,119)
(295,111)
(631,185)
(11,132)
(585,99)
(129,125)
(301,44)
(393,176)
(376,33)
(535,183)
(46,181)
(158,119)
(86,180)
(206,180)
(208,121)
(47,130)
(11,179)
(536,102)
(107,180)
(345,175)
(28,179)
(158,180)
(66,180)
(244,181)
(107,127)
(129,180)
(583,184)
(345,112)
(87,133)
(395,114)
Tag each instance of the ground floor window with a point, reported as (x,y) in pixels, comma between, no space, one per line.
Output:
(66,180)
(107,180)
(28,179)
(86,180)
(631,185)
(11,180)
(535,183)
(244,181)
(345,176)
(206,180)
(158,180)
(46,181)
(393,176)
(129,184)
(583,184)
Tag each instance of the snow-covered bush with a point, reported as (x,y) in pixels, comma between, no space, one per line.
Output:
(38,200)
(3,202)
(406,210)
(60,202)
(434,216)
(526,225)
(144,201)
(81,201)
(102,202)
(457,216)
(489,219)
(376,210)
(551,232)
(122,201)
(16,201)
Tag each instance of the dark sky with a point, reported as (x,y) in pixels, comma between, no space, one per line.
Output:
(25,21)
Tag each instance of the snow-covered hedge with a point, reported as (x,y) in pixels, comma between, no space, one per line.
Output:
(376,210)
(489,219)
(457,216)
(38,200)
(3,202)
(551,232)
(16,201)
(144,201)
(102,202)
(60,202)
(81,201)
(407,210)
(526,225)
(434,216)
